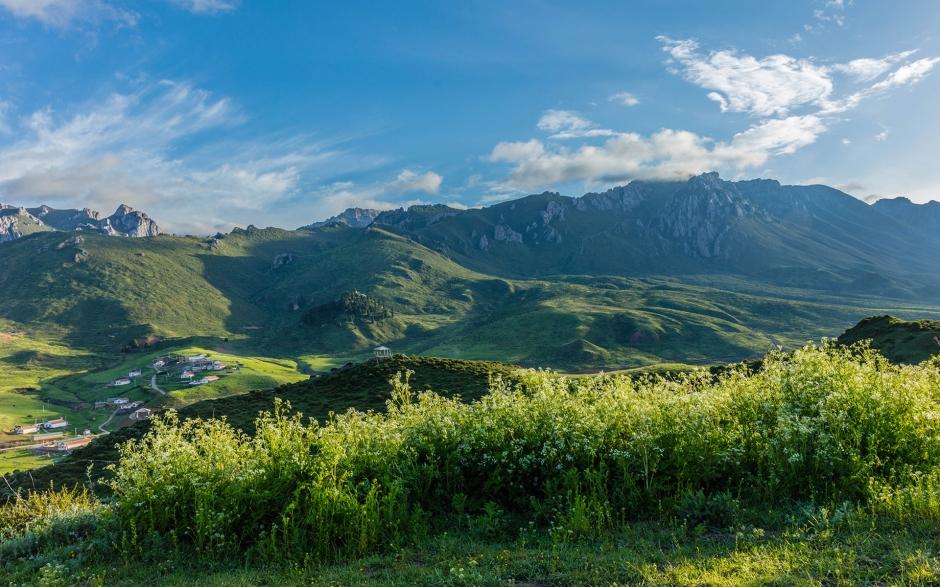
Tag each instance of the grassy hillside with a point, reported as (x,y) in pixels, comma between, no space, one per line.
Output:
(254,286)
(821,468)
(363,386)
(902,341)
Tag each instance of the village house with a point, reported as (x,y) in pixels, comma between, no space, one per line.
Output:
(120,381)
(158,363)
(128,408)
(187,374)
(196,358)
(142,414)
(134,373)
(72,444)
(204,380)
(54,424)
(218,365)
(26,429)
(118,401)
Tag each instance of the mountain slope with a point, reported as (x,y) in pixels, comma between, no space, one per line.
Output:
(805,236)
(901,341)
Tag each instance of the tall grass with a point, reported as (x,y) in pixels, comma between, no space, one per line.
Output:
(580,457)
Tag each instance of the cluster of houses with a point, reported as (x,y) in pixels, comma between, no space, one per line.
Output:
(55,424)
(123,406)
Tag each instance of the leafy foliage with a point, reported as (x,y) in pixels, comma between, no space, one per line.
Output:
(582,457)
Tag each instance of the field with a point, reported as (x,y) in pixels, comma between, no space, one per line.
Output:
(821,467)
(40,380)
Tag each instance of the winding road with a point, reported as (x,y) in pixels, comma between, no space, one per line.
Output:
(153,385)
(106,422)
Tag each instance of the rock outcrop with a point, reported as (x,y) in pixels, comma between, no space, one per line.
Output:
(17,222)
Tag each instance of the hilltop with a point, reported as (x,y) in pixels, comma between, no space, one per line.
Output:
(901,341)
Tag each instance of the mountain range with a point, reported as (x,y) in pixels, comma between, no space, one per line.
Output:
(688,271)
(16,222)
(802,236)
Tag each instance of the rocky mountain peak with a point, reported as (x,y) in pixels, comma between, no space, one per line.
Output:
(352,217)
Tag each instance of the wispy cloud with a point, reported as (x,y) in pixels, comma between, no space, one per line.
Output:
(127,148)
(65,13)
(769,86)
(379,195)
(206,6)
(793,100)
(624,98)
(568,124)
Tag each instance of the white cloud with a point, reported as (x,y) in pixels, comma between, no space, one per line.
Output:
(882,136)
(206,6)
(126,148)
(667,154)
(625,98)
(773,85)
(64,13)
(794,100)
(868,69)
(338,196)
(910,73)
(568,124)
(410,181)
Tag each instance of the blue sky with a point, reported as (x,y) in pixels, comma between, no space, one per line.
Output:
(214,113)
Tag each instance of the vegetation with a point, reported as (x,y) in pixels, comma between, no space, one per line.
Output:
(901,341)
(254,287)
(351,306)
(363,386)
(823,466)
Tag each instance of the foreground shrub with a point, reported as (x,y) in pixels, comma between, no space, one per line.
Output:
(580,456)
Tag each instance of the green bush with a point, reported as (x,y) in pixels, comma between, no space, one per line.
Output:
(581,456)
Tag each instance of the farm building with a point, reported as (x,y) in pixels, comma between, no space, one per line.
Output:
(128,408)
(118,401)
(48,436)
(54,424)
(204,380)
(158,363)
(217,365)
(134,373)
(142,414)
(70,445)
(120,381)
(26,429)
(101,404)
(187,374)
(196,358)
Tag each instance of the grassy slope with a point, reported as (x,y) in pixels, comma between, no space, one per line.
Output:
(175,286)
(364,386)
(901,341)
(818,552)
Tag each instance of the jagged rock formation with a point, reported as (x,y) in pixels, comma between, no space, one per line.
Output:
(353,217)
(17,222)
